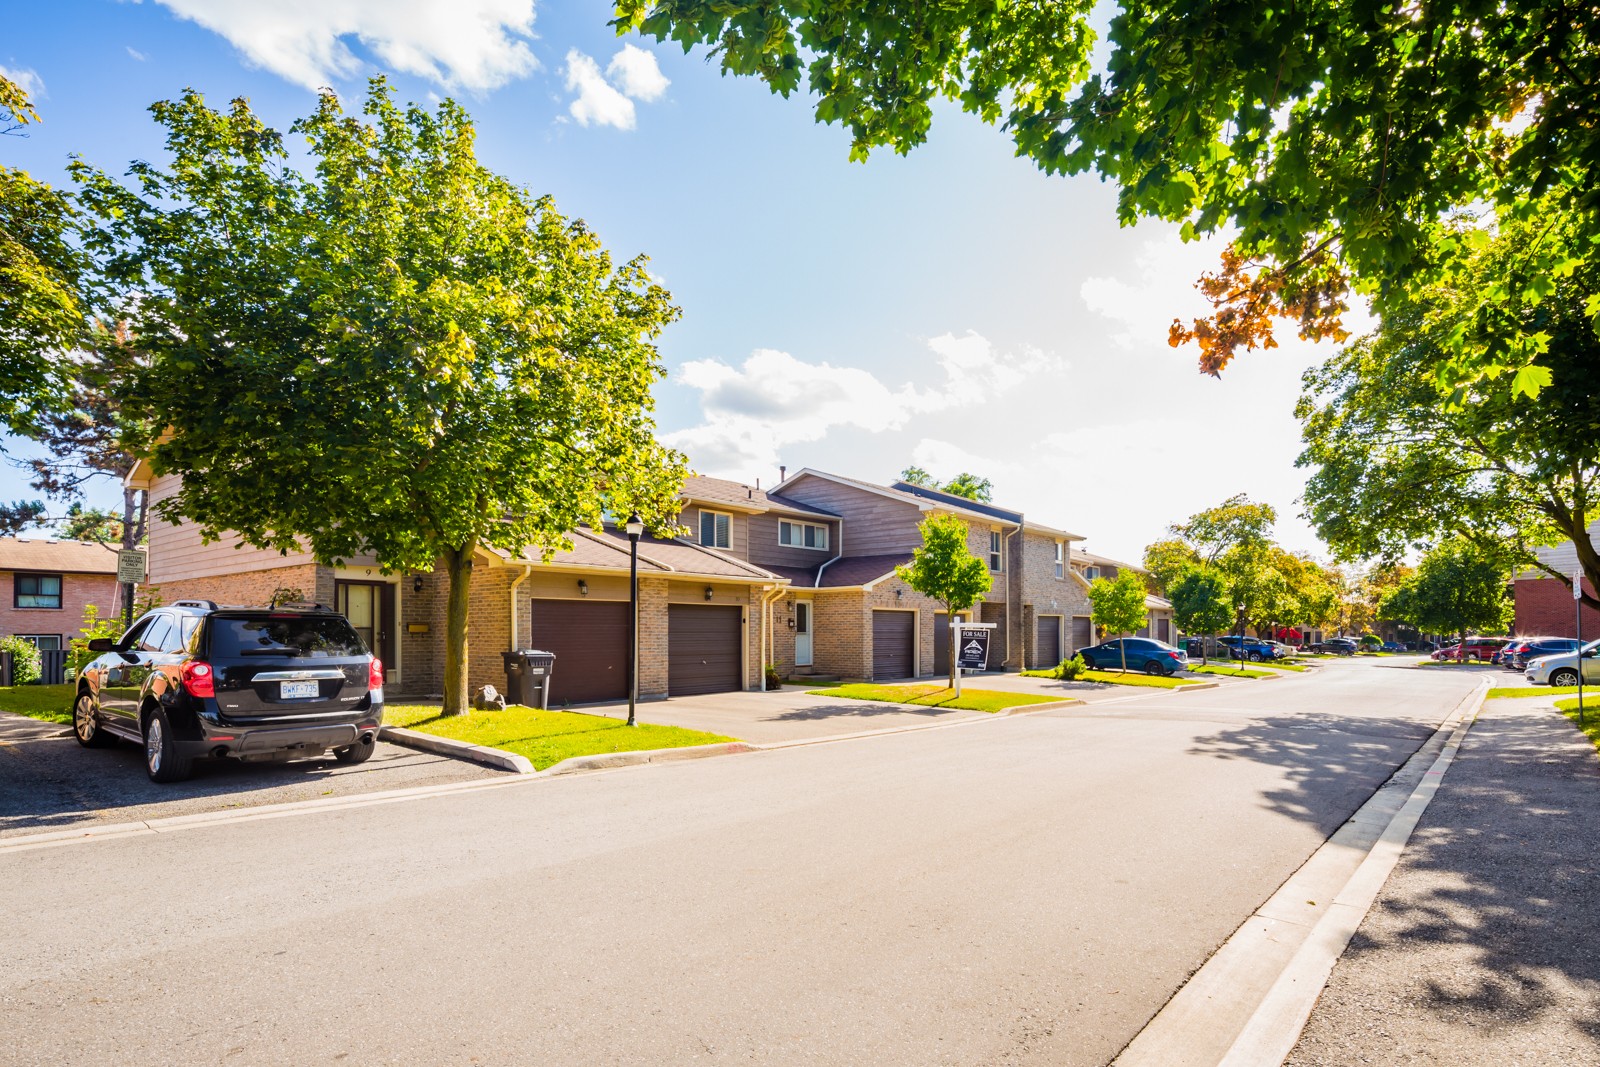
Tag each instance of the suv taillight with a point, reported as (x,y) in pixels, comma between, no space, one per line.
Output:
(375,674)
(198,679)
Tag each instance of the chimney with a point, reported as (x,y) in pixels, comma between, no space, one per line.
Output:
(783,474)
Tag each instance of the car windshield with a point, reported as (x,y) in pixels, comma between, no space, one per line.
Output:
(326,636)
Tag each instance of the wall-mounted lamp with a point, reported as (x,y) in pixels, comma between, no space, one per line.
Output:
(416,584)
(709,592)
(583,587)
(898,593)
(791,624)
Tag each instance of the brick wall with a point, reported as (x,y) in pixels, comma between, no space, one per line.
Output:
(1544,609)
(1042,593)
(842,634)
(251,588)
(653,596)
(77,592)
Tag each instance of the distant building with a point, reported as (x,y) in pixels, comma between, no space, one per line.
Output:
(1544,605)
(46,585)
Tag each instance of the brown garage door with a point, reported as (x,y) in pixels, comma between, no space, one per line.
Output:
(590,640)
(1082,632)
(893,641)
(1163,630)
(702,649)
(1047,641)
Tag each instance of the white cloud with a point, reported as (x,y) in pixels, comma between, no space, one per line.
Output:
(27,80)
(636,73)
(773,399)
(136,54)
(474,45)
(597,102)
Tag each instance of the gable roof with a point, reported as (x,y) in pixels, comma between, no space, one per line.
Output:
(64,557)
(700,489)
(956,503)
(607,549)
(952,500)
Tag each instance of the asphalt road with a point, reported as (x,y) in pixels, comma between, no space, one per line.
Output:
(1010,891)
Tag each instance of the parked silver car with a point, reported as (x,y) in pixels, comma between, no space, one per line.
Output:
(1563,669)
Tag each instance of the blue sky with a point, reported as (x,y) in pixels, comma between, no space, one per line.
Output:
(953,308)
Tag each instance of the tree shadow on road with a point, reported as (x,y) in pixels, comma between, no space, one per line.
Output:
(860,709)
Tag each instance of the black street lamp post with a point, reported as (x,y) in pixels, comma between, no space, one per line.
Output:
(1577,612)
(635,527)
(1242,656)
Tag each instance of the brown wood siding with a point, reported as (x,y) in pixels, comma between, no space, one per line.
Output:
(176,552)
(873,525)
(1047,641)
(765,549)
(1082,632)
(702,649)
(894,635)
(590,640)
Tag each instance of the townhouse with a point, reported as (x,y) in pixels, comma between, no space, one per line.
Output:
(1159,623)
(48,585)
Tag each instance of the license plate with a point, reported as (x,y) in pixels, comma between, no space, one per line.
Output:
(294,690)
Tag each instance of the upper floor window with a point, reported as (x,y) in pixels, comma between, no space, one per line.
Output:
(38,591)
(802,535)
(1091,573)
(996,551)
(1061,559)
(715,529)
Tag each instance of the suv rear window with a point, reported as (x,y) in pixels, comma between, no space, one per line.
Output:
(317,636)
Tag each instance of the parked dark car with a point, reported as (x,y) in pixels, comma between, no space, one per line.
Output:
(1143,654)
(1393,646)
(1339,646)
(1255,649)
(195,680)
(1520,653)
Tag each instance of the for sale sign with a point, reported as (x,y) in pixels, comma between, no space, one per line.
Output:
(973,649)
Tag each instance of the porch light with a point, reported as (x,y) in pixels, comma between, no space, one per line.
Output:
(583,587)
(709,592)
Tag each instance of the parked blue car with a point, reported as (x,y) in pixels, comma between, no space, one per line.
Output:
(1255,649)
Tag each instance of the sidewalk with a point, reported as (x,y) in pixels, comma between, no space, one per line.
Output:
(1481,949)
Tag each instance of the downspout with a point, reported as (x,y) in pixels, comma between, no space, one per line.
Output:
(1021,652)
(769,638)
(527,569)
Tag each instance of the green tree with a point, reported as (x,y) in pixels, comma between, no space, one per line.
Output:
(943,568)
(1235,522)
(1166,562)
(403,354)
(970,486)
(1118,605)
(41,279)
(1400,456)
(915,475)
(1459,587)
(1200,603)
(1331,137)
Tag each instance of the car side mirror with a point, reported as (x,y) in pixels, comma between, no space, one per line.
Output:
(102,644)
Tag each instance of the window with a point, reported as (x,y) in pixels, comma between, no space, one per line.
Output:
(802,535)
(1061,559)
(43,642)
(155,637)
(38,591)
(996,558)
(1091,573)
(714,529)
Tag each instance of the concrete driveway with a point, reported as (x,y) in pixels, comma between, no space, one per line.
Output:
(48,782)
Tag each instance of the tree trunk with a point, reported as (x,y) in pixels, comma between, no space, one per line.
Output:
(955,643)
(1123,648)
(458,565)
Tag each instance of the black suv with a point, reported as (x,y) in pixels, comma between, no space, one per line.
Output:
(196,680)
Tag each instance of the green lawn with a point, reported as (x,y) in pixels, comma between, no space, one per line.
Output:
(1499,692)
(1230,672)
(52,703)
(545,737)
(1591,713)
(1284,665)
(936,696)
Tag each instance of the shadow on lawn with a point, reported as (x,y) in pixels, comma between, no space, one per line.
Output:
(860,709)
(1502,866)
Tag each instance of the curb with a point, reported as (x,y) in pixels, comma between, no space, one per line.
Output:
(608,760)
(1248,1003)
(444,746)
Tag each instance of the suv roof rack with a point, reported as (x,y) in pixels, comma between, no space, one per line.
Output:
(300,605)
(208,605)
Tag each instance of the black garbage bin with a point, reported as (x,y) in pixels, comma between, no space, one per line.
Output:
(528,673)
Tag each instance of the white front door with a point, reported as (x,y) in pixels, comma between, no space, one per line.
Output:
(802,633)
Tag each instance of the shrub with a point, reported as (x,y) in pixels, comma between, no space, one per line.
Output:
(774,680)
(25,666)
(1071,669)
(93,626)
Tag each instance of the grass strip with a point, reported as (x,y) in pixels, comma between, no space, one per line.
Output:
(936,696)
(1591,714)
(1230,672)
(50,703)
(1504,692)
(545,737)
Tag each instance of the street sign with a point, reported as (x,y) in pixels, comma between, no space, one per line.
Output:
(131,566)
(973,654)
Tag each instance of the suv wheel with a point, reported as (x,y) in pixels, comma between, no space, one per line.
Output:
(1565,676)
(86,728)
(359,752)
(161,758)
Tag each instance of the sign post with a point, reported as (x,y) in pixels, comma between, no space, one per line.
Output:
(1577,612)
(969,642)
(131,571)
